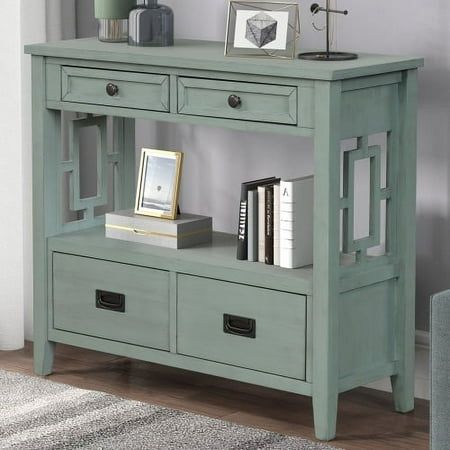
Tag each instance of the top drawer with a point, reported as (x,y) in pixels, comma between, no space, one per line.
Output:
(234,100)
(126,90)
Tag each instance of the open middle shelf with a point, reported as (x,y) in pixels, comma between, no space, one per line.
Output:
(214,260)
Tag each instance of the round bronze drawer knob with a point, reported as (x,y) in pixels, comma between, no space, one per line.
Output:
(234,101)
(112,89)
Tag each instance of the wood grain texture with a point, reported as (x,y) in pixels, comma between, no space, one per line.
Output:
(145,320)
(182,362)
(330,102)
(366,334)
(124,131)
(216,260)
(135,90)
(46,142)
(403,382)
(280,339)
(325,363)
(259,102)
(209,56)
(366,420)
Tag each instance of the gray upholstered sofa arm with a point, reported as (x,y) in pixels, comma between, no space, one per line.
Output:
(440,371)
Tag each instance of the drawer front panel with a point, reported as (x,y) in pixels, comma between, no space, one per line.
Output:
(135,90)
(258,102)
(110,300)
(243,326)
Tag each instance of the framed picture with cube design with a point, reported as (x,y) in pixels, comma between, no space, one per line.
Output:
(260,28)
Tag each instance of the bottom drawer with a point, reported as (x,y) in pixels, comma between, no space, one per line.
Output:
(111,300)
(241,325)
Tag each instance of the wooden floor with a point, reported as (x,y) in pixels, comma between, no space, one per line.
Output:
(365,421)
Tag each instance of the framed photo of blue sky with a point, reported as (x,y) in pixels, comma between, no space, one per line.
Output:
(268,29)
(159,183)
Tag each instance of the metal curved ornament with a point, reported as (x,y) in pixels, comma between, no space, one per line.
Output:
(327,55)
(316,27)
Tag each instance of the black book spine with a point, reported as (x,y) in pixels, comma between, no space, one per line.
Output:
(242,245)
(269,225)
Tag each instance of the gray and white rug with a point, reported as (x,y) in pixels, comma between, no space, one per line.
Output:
(40,414)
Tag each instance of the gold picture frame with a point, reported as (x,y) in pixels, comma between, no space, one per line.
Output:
(159,183)
(281,36)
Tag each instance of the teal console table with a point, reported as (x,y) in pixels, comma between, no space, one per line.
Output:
(318,331)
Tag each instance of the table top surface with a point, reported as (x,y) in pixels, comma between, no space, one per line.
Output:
(208,55)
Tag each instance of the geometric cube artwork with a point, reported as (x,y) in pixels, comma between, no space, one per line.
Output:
(261,29)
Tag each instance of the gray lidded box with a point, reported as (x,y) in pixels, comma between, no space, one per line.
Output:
(185,231)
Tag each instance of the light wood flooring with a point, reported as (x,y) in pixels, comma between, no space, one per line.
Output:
(366,419)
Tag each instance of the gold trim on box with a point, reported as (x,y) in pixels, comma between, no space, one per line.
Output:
(156,233)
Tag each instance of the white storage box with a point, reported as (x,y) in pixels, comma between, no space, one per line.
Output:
(185,231)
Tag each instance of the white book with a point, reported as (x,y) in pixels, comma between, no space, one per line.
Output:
(261,224)
(276,225)
(296,222)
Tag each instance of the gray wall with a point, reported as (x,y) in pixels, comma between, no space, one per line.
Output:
(218,160)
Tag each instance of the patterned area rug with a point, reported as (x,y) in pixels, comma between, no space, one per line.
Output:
(40,414)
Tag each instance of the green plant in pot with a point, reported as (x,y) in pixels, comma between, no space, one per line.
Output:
(112,16)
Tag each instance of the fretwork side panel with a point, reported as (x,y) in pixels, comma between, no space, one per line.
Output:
(364,199)
(368,177)
(111,164)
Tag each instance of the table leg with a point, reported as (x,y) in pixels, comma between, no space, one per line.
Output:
(326,258)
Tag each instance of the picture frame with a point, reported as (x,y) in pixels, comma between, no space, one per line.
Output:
(258,28)
(159,183)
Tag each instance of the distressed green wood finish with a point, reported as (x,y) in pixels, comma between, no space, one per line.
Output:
(207,55)
(46,144)
(183,362)
(279,343)
(76,202)
(349,243)
(233,124)
(350,318)
(367,326)
(217,260)
(145,320)
(326,258)
(403,381)
(173,311)
(137,91)
(260,102)
(123,158)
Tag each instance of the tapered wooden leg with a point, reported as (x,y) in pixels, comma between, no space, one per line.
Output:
(403,391)
(46,148)
(403,382)
(325,368)
(325,406)
(43,355)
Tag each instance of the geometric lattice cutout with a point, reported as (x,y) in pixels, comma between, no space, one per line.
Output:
(376,195)
(88,155)
(381,249)
(108,181)
(361,209)
(101,198)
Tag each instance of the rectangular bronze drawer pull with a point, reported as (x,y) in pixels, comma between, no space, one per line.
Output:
(239,326)
(110,301)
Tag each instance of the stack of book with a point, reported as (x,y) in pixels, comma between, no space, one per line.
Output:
(276,222)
